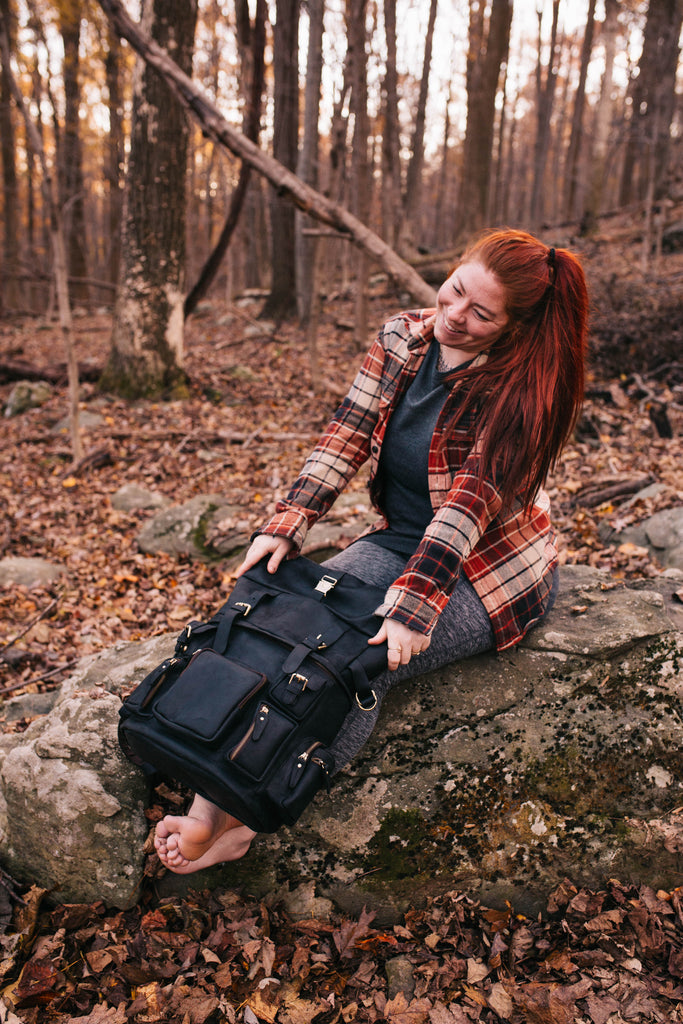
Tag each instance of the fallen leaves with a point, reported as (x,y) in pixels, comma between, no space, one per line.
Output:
(607,957)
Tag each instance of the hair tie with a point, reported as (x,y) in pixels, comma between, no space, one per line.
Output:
(551,258)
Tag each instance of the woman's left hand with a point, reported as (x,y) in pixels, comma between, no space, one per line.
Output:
(402,642)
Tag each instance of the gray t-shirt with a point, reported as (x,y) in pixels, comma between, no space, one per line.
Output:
(403,467)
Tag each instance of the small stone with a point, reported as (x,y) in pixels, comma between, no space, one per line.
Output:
(29,572)
(399,977)
(27,394)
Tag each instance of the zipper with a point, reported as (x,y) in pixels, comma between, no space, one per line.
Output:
(255,730)
(162,678)
(300,763)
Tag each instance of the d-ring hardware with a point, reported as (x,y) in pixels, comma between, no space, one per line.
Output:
(368,707)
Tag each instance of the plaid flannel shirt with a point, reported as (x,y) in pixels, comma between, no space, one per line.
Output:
(509,559)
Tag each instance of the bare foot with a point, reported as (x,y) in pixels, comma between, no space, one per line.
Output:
(206,835)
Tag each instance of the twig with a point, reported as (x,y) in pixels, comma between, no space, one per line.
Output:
(37,618)
(94,459)
(40,679)
(7,882)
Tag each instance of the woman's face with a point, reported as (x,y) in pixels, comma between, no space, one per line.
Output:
(470,312)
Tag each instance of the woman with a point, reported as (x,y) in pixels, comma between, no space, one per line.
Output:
(462,411)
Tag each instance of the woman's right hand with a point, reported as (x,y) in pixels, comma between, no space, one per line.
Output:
(277,547)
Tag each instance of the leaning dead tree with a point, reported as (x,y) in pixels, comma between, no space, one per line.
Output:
(285,181)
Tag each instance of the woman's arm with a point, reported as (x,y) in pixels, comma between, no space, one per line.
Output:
(337,457)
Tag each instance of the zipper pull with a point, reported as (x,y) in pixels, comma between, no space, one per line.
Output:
(260,722)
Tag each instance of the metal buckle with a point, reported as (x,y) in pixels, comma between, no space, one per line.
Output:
(325,584)
(369,707)
(243,604)
(297,677)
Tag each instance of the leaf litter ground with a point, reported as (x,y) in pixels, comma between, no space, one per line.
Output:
(252,415)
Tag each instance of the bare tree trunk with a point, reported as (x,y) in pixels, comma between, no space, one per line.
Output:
(488,48)
(391,158)
(72,186)
(572,161)
(300,194)
(545,95)
(252,120)
(603,115)
(307,169)
(58,247)
(496,214)
(147,343)
(11,294)
(360,168)
(561,117)
(653,94)
(113,164)
(334,252)
(440,227)
(414,173)
(281,303)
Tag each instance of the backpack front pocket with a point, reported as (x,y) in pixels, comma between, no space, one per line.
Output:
(207,695)
(262,742)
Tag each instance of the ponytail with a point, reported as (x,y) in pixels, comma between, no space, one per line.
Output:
(529,393)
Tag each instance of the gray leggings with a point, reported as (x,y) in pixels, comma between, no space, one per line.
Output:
(463,629)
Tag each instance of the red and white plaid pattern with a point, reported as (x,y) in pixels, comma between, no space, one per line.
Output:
(509,559)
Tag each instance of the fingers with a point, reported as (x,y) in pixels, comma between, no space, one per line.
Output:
(277,547)
(402,643)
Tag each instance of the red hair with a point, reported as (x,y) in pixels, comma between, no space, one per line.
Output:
(528,394)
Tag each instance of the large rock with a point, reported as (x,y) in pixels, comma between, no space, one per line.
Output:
(501,775)
(207,528)
(73,809)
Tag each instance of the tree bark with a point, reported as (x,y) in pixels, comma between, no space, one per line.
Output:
(281,303)
(653,94)
(360,167)
(302,195)
(307,169)
(414,172)
(391,157)
(146,357)
(575,139)
(51,201)
(545,92)
(488,48)
(603,116)
(11,293)
(114,156)
(252,119)
(72,191)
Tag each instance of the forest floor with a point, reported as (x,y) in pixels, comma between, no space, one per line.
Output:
(250,419)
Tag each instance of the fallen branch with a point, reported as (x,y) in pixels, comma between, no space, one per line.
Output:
(597,494)
(41,678)
(94,459)
(20,369)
